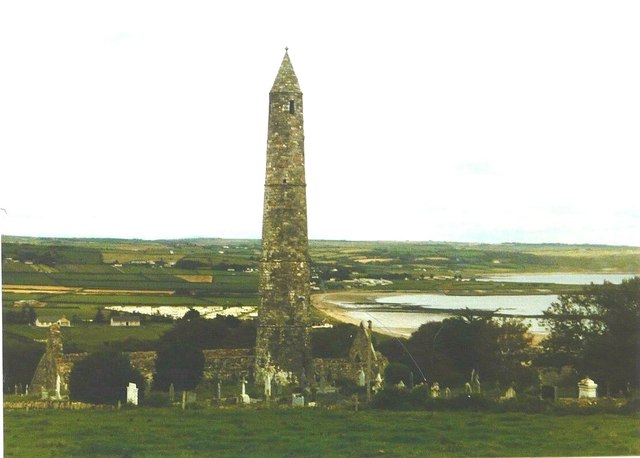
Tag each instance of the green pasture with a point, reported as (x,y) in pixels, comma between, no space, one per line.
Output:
(313,432)
(90,337)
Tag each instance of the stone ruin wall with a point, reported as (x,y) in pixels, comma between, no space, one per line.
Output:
(226,363)
(145,362)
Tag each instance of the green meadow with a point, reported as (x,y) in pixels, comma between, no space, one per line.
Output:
(314,432)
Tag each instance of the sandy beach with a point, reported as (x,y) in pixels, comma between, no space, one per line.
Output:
(327,304)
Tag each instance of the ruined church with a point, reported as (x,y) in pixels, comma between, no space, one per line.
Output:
(283,342)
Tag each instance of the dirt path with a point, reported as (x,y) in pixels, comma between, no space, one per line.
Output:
(30,289)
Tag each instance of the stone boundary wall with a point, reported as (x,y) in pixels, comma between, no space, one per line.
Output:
(42,405)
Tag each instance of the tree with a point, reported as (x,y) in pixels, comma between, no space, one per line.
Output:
(102,378)
(396,373)
(99,316)
(180,358)
(448,351)
(333,342)
(598,333)
(180,364)
(20,357)
(220,332)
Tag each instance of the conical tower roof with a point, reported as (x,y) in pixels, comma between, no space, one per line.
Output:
(286,80)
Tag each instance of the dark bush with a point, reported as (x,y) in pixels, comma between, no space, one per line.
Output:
(190,264)
(157,399)
(102,378)
(396,373)
(20,357)
(181,363)
(333,342)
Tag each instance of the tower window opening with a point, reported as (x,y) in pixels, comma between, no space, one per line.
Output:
(292,108)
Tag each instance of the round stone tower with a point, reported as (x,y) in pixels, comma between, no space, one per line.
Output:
(283,339)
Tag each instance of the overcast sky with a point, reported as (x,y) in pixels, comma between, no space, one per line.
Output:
(475,121)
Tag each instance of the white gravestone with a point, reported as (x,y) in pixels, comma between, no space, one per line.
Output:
(132,394)
(267,384)
(362,378)
(587,388)
(297,400)
(244,397)
(435,390)
(58,387)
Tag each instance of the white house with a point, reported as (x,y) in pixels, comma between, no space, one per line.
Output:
(45,322)
(125,321)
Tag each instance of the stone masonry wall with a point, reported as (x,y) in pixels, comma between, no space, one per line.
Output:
(283,335)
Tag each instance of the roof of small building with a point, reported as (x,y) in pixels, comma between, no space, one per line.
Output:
(50,319)
(123,319)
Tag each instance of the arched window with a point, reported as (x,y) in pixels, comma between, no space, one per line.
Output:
(292,108)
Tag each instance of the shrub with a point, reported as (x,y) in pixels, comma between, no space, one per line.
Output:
(157,399)
(181,364)
(397,372)
(102,378)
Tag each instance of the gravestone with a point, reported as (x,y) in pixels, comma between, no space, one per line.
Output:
(447,393)
(244,397)
(267,385)
(378,384)
(475,382)
(361,378)
(322,384)
(58,396)
(172,393)
(587,389)
(132,394)
(549,393)
(297,400)
(510,393)
(191,397)
(435,390)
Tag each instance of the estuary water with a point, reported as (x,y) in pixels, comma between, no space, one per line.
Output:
(403,314)
(559,278)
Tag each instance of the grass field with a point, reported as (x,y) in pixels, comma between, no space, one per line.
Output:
(310,432)
(90,337)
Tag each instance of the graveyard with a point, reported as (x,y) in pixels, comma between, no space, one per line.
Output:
(455,414)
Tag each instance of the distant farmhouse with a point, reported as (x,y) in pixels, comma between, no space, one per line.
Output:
(125,321)
(45,322)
